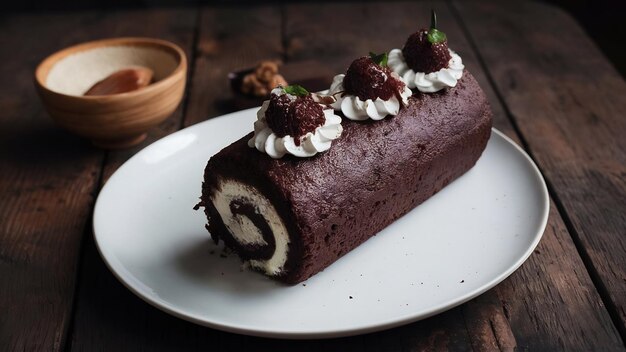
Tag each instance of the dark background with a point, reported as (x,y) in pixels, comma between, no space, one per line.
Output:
(602,19)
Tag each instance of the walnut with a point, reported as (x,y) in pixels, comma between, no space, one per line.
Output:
(266,70)
(249,82)
(263,79)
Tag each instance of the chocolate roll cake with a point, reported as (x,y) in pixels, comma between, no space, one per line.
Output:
(290,205)
(295,216)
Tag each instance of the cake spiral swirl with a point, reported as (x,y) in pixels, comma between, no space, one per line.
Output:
(255,229)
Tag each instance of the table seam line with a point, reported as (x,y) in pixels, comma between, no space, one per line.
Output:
(195,37)
(66,339)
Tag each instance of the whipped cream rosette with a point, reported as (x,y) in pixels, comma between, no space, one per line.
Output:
(425,62)
(369,89)
(291,122)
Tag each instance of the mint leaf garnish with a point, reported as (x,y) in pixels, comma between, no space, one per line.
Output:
(434,35)
(379,59)
(296,90)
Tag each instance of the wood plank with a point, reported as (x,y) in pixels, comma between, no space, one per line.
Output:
(230,39)
(76,166)
(567,100)
(108,316)
(48,179)
(178,26)
(339,33)
(539,316)
(122,321)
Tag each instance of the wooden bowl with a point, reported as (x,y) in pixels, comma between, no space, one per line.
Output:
(116,120)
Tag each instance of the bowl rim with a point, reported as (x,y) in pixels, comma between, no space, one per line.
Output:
(46,65)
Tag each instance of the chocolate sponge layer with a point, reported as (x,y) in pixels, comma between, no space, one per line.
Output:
(373,174)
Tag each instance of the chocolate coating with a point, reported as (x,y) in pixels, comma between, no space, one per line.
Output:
(294,118)
(375,173)
(367,80)
(423,56)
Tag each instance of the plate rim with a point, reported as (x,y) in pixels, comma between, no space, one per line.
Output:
(117,269)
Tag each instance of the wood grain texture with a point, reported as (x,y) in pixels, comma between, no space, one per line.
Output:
(566,99)
(51,179)
(48,178)
(539,312)
(96,294)
(231,39)
(47,187)
(108,316)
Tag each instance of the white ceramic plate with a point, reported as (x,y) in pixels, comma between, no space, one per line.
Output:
(455,246)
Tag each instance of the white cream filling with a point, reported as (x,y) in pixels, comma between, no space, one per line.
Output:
(427,82)
(356,109)
(244,230)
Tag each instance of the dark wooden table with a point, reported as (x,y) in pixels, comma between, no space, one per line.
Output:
(550,88)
